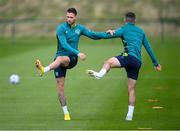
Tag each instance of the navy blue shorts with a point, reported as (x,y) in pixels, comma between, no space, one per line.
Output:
(61,71)
(131,64)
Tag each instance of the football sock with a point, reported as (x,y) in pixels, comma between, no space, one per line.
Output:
(102,72)
(65,110)
(130,110)
(46,69)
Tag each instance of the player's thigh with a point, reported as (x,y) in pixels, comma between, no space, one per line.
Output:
(113,62)
(63,60)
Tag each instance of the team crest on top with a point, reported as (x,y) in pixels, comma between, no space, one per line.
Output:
(77,31)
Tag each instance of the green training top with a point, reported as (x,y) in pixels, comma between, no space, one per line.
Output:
(68,38)
(133,38)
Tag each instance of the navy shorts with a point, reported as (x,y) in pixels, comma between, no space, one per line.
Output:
(61,71)
(131,64)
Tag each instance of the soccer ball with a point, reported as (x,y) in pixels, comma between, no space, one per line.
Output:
(14,79)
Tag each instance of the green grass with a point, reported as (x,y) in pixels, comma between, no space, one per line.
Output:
(93,104)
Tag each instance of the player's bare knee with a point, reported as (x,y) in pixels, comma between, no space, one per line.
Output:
(130,88)
(61,86)
(58,59)
(109,62)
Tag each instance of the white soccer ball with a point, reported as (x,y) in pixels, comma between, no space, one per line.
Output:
(14,79)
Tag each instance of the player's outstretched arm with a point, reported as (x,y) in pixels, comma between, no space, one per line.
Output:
(95,35)
(150,51)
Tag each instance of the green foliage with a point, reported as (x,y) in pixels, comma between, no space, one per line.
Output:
(45,9)
(2,2)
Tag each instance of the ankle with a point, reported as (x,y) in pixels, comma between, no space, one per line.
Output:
(102,72)
(46,69)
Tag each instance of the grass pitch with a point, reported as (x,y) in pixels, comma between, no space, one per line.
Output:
(93,104)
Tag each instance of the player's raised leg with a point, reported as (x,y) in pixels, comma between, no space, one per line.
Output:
(132,98)
(110,63)
(60,60)
(62,99)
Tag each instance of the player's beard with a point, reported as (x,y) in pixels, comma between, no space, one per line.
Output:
(71,23)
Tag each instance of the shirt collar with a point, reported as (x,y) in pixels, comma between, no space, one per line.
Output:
(130,23)
(71,26)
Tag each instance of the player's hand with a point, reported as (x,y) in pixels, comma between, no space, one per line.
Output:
(82,56)
(158,67)
(111,32)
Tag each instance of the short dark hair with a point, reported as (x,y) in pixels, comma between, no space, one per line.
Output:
(130,15)
(72,10)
